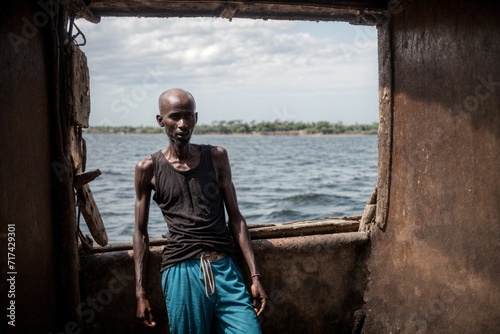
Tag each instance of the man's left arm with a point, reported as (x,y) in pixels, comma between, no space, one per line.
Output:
(238,225)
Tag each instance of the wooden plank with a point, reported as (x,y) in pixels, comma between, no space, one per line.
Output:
(304,228)
(368,212)
(354,11)
(76,149)
(385,123)
(366,219)
(81,179)
(349,230)
(80,88)
(90,212)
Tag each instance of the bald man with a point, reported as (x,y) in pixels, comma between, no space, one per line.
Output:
(202,286)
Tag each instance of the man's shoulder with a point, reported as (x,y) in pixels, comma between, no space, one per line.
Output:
(219,157)
(144,164)
(218,151)
(144,173)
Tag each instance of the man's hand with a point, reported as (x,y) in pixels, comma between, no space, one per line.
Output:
(144,312)
(259,296)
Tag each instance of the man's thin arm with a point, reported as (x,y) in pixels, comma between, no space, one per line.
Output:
(238,226)
(142,183)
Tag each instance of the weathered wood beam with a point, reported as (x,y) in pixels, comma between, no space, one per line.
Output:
(229,10)
(79,9)
(305,228)
(80,88)
(368,212)
(90,212)
(81,179)
(266,231)
(386,69)
(354,11)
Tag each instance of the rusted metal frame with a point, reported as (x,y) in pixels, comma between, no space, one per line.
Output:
(385,132)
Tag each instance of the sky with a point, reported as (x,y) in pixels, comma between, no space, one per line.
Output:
(248,70)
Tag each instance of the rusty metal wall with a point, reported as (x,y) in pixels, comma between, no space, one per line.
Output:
(36,193)
(434,267)
(314,284)
(25,172)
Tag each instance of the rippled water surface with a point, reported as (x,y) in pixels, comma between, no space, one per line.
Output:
(277,178)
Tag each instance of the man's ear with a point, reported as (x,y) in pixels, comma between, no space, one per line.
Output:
(195,117)
(159,119)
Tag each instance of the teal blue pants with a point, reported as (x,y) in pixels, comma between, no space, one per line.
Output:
(190,310)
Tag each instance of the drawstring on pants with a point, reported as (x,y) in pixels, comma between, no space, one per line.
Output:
(208,274)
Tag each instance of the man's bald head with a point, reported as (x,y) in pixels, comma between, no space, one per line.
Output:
(174,98)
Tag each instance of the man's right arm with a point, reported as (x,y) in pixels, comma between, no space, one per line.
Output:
(143,185)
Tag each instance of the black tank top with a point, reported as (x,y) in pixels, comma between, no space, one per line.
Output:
(191,203)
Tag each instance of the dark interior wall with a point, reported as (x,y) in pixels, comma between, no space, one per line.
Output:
(314,284)
(434,269)
(25,170)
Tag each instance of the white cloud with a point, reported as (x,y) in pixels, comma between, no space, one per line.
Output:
(244,69)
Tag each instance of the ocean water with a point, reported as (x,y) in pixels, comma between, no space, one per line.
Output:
(277,178)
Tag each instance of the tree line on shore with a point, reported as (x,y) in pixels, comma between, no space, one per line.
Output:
(240,127)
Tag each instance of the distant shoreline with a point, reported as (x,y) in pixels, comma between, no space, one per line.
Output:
(256,134)
(238,128)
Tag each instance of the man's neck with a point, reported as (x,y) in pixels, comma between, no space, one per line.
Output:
(180,152)
(183,157)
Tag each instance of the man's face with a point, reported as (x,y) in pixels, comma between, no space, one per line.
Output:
(179,121)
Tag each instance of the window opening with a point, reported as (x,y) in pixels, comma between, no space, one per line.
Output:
(275,74)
